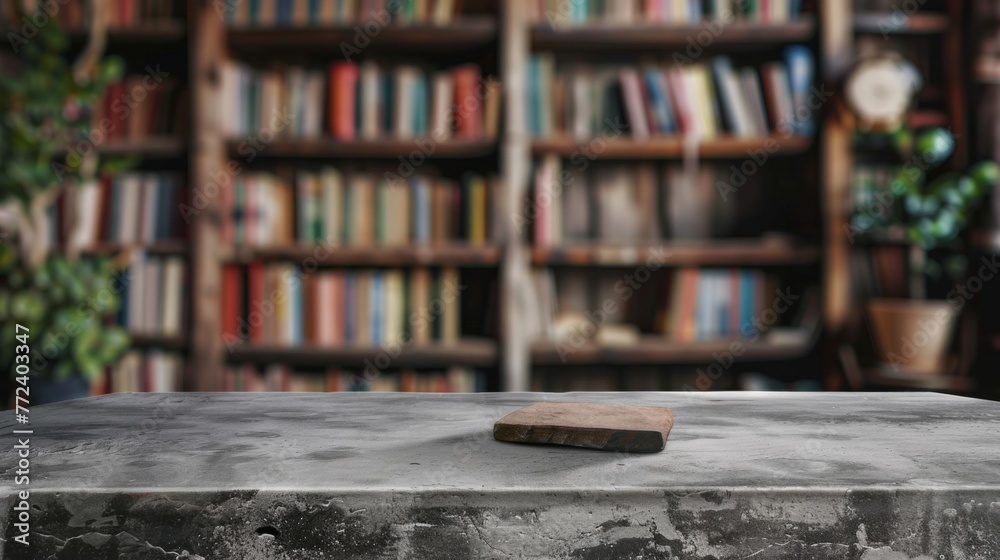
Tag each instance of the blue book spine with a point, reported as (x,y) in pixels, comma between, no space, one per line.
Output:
(421,210)
(694,11)
(255,11)
(350,308)
(746,302)
(800,76)
(660,99)
(579,11)
(284,15)
(794,9)
(702,307)
(390,101)
(313,11)
(420,110)
(375,308)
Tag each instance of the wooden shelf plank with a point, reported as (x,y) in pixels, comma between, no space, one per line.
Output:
(415,255)
(466,33)
(157,341)
(386,149)
(605,35)
(146,33)
(660,351)
(895,23)
(153,147)
(728,252)
(156,248)
(466,352)
(671,147)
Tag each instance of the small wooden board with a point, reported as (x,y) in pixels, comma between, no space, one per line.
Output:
(608,427)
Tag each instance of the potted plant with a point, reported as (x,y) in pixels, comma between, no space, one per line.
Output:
(913,334)
(46,146)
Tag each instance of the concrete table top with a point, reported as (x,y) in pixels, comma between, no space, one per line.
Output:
(368,475)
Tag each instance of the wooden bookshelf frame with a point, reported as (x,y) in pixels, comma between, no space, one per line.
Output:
(513,354)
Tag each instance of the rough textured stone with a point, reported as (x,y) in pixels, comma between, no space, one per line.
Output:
(606,427)
(321,476)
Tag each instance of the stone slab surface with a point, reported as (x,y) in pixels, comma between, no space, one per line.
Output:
(602,427)
(318,476)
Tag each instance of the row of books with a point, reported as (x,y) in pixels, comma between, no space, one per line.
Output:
(151,372)
(139,107)
(704,100)
(130,208)
(363,101)
(284,305)
(336,208)
(281,13)
(75,14)
(684,305)
(153,301)
(277,377)
(623,204)
(677,12)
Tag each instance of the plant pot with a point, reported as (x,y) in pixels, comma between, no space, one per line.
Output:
(45,391)
(912,335)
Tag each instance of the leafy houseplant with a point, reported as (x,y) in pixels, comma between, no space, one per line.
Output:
(46,146)
(914,334)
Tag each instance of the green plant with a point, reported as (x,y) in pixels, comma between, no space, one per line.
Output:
(63,303)
(46,145)
(932,213)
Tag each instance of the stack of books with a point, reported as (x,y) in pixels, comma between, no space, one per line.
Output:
(139,107)
(283,378)
(153,371)
(153,301)
(336,208)
(285,306)
(365,102)
(75,14)
(127,209)
(671,12)
(622,204)
(704,100)
(271,13)
(684,305)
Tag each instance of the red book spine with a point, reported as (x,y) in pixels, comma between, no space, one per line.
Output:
(255,289)
(343,84)
(337,285)
(104,219)
(468,115)
(230,302)
(678,92)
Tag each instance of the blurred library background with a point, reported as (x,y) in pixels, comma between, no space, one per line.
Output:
(458,196)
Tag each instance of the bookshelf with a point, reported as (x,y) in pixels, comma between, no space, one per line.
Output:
(813,170)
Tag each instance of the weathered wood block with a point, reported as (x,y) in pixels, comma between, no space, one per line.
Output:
(608,427)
